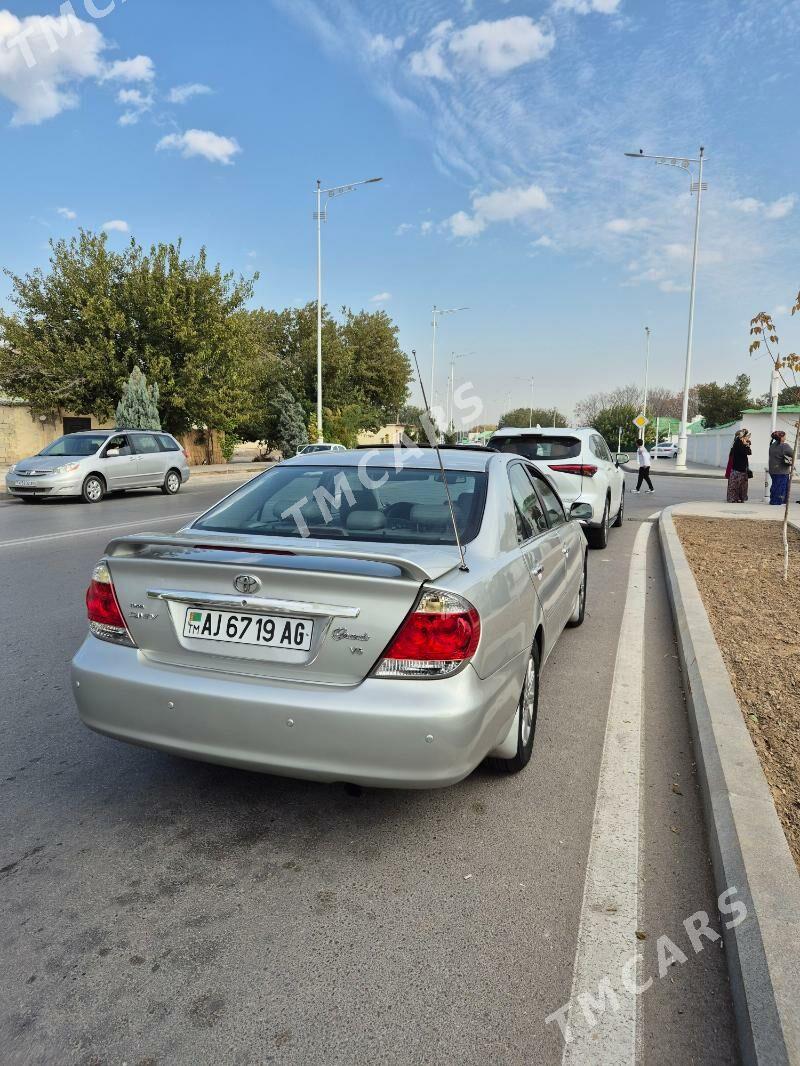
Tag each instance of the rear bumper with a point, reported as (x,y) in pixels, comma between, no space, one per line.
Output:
(373,734)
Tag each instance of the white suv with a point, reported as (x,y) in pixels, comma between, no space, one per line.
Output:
(581,467)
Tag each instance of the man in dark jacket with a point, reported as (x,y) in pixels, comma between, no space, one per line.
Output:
(780,465)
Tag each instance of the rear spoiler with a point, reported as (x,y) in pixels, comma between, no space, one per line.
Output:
(428,565)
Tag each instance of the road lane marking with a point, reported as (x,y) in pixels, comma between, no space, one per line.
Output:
(96,529)
(610,908)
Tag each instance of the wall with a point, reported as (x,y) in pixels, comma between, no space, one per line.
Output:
(23,434)
(389,434)
(711,447)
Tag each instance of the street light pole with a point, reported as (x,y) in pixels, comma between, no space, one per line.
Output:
(437,313)
(699,187)
(646,368)
(322,216)
(530,409)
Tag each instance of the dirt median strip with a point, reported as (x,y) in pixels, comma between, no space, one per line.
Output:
(748,846)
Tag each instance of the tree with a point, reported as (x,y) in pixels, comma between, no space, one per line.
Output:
(787,367)
(789,396)
(623,396)
(82,326)
(539,416)
(138,408)
(720,404)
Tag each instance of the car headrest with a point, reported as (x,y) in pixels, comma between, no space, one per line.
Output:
(430,514)
(366,521)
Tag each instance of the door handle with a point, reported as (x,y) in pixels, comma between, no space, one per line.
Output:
(565,551)
(538,571)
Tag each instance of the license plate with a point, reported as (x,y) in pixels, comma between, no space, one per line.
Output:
(262,630)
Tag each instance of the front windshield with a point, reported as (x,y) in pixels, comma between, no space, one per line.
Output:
(375,503)
(75,444)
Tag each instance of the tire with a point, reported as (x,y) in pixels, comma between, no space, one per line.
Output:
(621,512)
(598,536)
(94,489)
(579,610)
(172,483)
(526,723)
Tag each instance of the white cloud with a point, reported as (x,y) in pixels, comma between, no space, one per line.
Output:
(544,242)
(402,229)
(781,309)
(502,205)
(500,46)
(42,59)
(586,7)
(430,62)
(671,286)
(425,228)
(627,225)
(779,208)
(380,298)
(116,225)
(181,93)
(380,46)
(140,68)
(463,225)
(67,212)
(493,48)
(683,253)
(204,143)
(137,103)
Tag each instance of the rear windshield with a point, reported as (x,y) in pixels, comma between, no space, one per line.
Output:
(538,446)
(73,444)
(372,503)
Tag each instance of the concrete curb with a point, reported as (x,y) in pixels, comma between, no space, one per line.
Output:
(655,472)
(748,847)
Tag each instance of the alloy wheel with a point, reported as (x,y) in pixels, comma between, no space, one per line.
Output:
(527,706)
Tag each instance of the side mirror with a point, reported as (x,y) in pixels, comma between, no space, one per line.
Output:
(112,453)
(621,458)
(581,512)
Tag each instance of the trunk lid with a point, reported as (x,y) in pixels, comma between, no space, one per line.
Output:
(354,596)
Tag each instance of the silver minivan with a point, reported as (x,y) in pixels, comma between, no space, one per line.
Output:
(94,462)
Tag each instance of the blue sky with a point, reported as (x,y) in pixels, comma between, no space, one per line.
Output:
(499,128)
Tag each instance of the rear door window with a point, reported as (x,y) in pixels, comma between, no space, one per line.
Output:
(552,504)
(531,518)
(539,446)
(146,443)
(168,444)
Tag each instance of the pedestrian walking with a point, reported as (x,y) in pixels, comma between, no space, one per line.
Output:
(780,465)
(739,466)
(643,455)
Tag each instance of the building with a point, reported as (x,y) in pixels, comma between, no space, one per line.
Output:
(23,433)
(388,434)
(710,447)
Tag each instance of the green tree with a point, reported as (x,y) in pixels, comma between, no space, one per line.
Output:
(608,421)
(719,404)
(539,416)
(789,396)
(81,327)
(138,408)
(290,426)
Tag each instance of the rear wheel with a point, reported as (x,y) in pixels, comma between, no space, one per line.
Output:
(598,536)
(526,719)
(172,483)
(621,512)
(94,489)
(579,610)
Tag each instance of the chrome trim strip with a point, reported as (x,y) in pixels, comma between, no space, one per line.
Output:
(257,604)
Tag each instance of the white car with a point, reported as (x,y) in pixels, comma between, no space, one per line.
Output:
(580,465)
(321,446)
(665,450)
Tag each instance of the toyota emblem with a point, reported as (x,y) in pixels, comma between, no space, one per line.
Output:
(246,584)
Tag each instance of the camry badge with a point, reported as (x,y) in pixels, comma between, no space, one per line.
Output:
(246,584)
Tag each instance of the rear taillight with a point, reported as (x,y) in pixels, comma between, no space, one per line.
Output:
(583,469)
(105,617)
(439,636)
(185,454)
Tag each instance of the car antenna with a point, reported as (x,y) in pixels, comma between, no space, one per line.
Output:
(430,432)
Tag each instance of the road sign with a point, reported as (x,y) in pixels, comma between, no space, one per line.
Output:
(640,421)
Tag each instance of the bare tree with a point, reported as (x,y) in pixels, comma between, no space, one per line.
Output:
(787,366)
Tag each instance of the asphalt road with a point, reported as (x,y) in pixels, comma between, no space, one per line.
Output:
(156,910)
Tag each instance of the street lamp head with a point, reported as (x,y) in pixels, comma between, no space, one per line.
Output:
(371,181)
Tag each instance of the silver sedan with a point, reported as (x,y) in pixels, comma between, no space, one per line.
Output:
(91,463)
(319,622)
